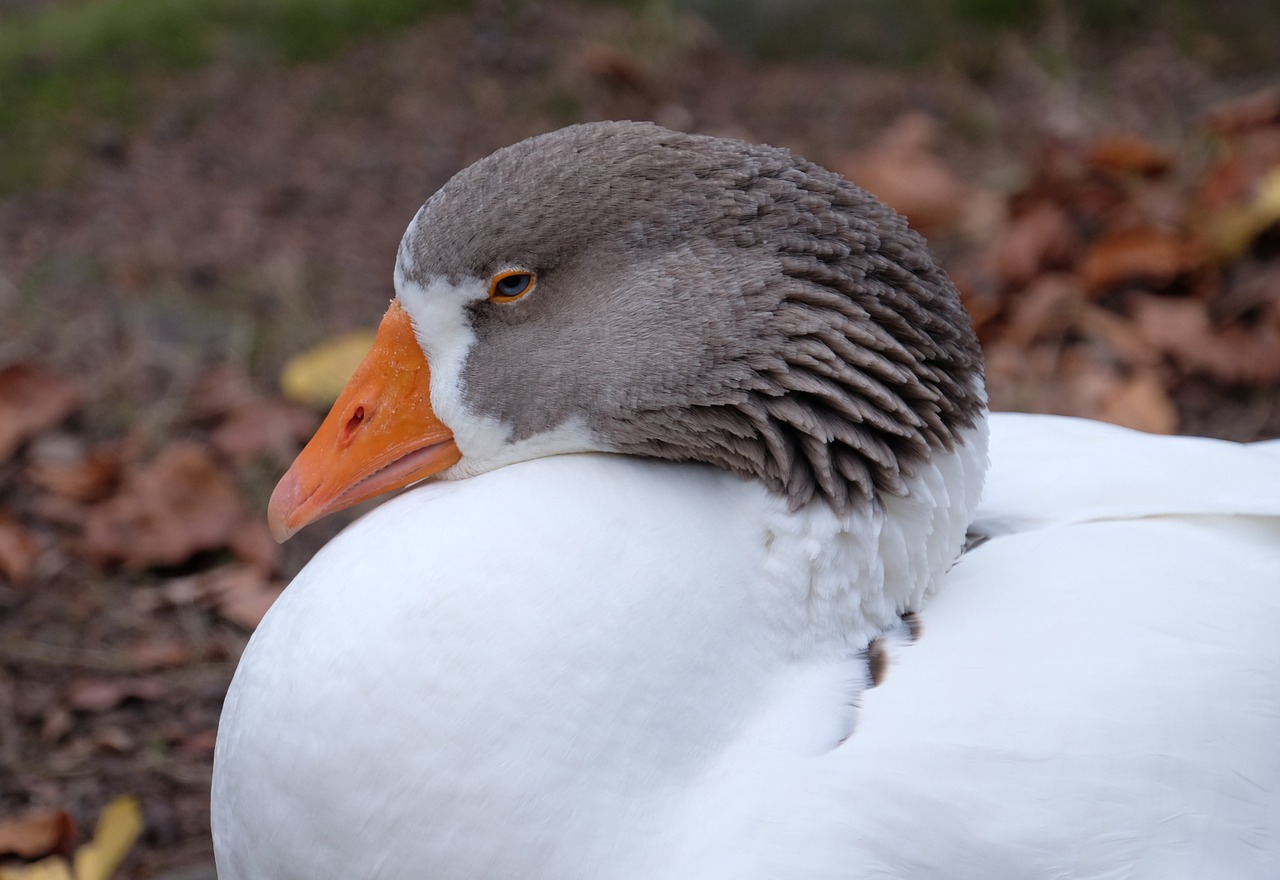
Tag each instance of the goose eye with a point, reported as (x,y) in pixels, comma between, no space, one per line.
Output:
(510,286)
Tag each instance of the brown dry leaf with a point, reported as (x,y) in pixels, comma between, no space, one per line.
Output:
(1061,175)
(159,653)
(1041,238)
(1024,380)
(1044,310)
(102,694)
(165,511)
(1182,329)
(1142,403)
(1130,154)
(264,427)
(118,829)
(1086,381)
(1260,109)
(64,466)
(19,549)
(1140,256)
(1118,334)
(37,833)
(31,401)
(241,594)
(904,172)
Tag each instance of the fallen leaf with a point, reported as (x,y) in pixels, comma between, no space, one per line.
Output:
(1130,154)
(119,827)
(1086,380)
(1025,380)
(317,376)
(37,833)
(31,401)
(1260,109)
(64,466)
(1150,257)
(1141,403)
(19,549)
(1043,310)
(1042,238)
(902,170)
(1181,329)
(1062,175)
(1235,227)
(166,511)
(102,694)
(52,868)
(159,653)
(241,594)
(1118,334)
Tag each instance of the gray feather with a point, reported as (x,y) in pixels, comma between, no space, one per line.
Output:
(723,302)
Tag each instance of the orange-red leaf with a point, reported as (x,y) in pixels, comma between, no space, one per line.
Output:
(31,401)
(37,833)
(166,511)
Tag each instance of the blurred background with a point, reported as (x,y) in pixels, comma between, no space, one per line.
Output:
(194,194)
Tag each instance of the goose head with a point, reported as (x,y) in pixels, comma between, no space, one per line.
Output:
(618,287)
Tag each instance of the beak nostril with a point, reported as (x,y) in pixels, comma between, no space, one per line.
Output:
(356,419)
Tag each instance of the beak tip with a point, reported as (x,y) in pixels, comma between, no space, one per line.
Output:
(280,531)
(282,507)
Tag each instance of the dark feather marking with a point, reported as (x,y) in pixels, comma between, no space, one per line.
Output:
(877,662)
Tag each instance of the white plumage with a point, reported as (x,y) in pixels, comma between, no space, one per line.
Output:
(574,664)
(564,669)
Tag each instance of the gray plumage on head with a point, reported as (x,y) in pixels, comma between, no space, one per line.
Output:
(708,300)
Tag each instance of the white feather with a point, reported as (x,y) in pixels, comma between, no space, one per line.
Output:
(594,666)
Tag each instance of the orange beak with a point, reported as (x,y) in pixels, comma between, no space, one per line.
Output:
(381,435)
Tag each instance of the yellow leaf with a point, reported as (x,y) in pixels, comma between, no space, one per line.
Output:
(52,868)
(317,376)
(1233,230)
(1267,204)
(118,827)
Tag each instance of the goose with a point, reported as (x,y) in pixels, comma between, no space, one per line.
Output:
(704,574)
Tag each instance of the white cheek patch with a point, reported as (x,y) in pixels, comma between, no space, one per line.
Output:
(438,311)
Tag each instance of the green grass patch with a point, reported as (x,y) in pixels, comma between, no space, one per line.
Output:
(65,69)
